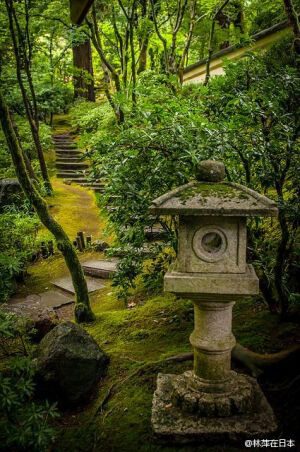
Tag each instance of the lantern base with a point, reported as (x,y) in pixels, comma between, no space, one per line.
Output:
(174,424)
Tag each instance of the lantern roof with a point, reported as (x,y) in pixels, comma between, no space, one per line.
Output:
(213,197)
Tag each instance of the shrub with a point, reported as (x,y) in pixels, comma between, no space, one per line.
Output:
(24,423)
(6,167)
(18,229)
(248,119)
(92,119)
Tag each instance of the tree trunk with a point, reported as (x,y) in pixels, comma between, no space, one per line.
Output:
(210,43)
(143,55)
(25,156)
(30,108)
(83,312)
(83,72)
(294,23)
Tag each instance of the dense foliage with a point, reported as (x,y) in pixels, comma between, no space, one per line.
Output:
(248,119)
(6,167)
(18,223)
(24,423)
(18,229)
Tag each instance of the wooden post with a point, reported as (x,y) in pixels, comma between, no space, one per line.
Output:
(79,243)
(44,250)
(88,240)
(80,234)
(50,248)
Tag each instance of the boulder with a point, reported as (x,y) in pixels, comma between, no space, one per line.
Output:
(41,324)
(100,246)
(10,192)
(69,363)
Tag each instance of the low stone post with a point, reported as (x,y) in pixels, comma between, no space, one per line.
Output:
(212,340)
(211,401)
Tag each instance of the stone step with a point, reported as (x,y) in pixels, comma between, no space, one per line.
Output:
(63,140)
(78,176)
(67,150)
(66,285)
(152,220)
(145,250)
(100,268)
(94,184)
(77,159)
(79,180)
(154,233)
(71,165)
(61,135)
(65,153)
(67,142)
(52,299)
(66,146)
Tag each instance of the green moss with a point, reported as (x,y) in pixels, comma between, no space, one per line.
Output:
(131,337)
(206,190)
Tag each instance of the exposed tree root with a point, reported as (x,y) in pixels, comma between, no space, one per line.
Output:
(254,362)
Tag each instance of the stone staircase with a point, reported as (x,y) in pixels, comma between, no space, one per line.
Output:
(71,165)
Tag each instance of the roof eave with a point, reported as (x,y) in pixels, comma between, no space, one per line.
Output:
(222,53)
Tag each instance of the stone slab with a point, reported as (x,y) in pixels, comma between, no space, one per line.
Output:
(174,426)
(66,284)
(153,233)
(212,286)
(100,268)
(51,299)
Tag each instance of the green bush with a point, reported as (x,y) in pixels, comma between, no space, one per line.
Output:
(24,422)
(6,167)
(254,128)
(18,229)
(249,119)
(92,120)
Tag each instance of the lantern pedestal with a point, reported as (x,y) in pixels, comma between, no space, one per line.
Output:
(211,402)
(176,418)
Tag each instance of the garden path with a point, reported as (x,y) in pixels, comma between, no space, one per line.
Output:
(75,207)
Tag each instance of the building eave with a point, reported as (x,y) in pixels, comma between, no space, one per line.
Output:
(222,53)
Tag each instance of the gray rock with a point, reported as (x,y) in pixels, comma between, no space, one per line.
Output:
(69,362)
(10,192)
(100,245)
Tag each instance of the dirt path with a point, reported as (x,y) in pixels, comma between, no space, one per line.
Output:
(75,208)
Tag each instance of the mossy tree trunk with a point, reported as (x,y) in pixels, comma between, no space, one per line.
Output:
(294,23)
(211,36)
(23,55)
(83,71)
(83,312)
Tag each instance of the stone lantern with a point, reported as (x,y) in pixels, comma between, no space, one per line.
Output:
(212,401)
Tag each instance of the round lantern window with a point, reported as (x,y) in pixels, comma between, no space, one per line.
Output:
(210,243)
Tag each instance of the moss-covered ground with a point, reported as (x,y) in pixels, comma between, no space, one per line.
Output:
(157,328)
